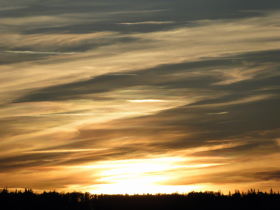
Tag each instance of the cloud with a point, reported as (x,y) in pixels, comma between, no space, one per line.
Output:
(148,23)
(36,52)
(268,175)
(132,56)
(199,76)
(95,87)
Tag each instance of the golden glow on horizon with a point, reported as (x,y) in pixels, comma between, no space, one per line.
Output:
(140,176)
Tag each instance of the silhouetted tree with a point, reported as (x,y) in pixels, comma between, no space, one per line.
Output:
(28,200)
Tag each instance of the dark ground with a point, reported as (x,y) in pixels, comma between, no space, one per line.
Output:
(28,200)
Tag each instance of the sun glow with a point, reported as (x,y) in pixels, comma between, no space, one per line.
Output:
(138,176)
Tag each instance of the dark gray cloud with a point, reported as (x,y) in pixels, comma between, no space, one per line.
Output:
(268,175)
(10,58)
(124,10)
(62,17)
(233,177)
(165,77)
(28,160)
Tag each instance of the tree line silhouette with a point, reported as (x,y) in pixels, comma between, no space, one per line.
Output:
(28,200)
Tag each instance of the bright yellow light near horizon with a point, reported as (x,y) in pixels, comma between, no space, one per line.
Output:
(139,176)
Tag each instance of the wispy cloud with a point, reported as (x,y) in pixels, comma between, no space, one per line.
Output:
(148,23)
(38,52)
(131,92)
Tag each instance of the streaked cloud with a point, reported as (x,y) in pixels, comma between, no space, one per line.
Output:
(148,23)
(35,52)
(166,94)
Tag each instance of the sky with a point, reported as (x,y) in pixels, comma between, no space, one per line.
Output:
(151,96)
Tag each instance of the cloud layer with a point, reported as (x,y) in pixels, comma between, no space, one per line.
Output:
(172,95)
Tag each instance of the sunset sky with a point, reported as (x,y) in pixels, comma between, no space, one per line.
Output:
(126,96)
